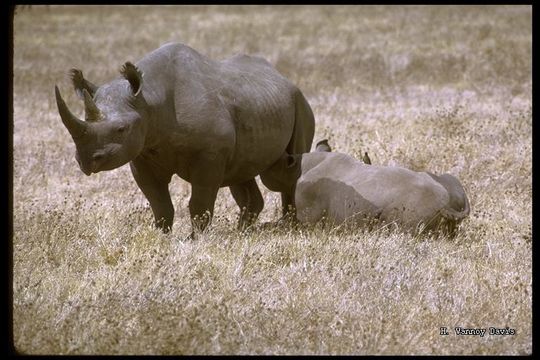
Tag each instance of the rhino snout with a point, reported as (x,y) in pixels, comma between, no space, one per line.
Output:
(97,161)
(83,168)
(92,165)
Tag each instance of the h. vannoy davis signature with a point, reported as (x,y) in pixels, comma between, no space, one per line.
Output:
(479,331)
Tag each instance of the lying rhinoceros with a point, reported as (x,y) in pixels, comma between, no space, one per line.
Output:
(339,187)
(213,123)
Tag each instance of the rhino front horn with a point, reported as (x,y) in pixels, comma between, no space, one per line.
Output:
(75,126)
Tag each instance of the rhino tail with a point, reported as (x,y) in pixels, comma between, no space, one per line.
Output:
(451,214)
(304,126)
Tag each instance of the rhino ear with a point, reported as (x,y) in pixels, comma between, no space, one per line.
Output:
(135,77)
(323,146)
(80,83)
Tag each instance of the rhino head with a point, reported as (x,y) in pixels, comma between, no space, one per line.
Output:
(113,132)
(284,173)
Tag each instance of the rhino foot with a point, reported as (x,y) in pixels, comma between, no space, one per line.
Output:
(191,237)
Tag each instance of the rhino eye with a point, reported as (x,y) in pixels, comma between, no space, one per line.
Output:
(121,129)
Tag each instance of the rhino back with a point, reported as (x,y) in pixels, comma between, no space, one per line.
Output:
(166,68)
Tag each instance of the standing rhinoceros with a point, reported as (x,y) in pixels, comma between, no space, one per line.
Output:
(340,187)
(213,123)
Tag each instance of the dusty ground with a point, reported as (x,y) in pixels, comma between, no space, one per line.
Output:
(446,89)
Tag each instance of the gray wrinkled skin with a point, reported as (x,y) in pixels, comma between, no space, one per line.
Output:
(339,187)
(213,123)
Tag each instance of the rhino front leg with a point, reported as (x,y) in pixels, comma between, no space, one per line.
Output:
(201,207)
(288,206)
(156,190)
(249,199)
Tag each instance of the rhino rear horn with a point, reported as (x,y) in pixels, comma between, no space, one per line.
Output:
(133,75)
(75,126)
(90,108)
(80,83)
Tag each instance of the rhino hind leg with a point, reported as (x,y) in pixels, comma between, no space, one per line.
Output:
(301,139)
(250,201)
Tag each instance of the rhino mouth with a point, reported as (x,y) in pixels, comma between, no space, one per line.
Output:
(97,163)
(88,169)
(106,160)
(82,166)
(86,172)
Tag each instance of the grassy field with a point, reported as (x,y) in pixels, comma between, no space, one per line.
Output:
(445,89)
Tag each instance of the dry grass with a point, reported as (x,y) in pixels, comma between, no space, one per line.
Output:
(441,88)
